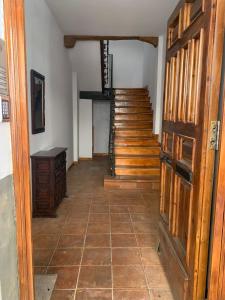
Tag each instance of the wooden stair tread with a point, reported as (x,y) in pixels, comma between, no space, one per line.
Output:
(134,178)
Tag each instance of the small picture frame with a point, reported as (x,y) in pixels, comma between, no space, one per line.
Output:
(37,102)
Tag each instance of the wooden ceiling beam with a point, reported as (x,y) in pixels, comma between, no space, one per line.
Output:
(70,40)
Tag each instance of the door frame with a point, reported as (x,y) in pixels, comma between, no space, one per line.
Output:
(16,62)
(217,263)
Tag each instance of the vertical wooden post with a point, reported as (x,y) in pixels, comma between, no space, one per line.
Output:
(16,59)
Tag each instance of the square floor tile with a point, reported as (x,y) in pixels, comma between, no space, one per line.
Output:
(95,277)
(78,228)
(146,218)
(147,240)
(140,227)
(119,209)
(128,277)
(96,256)
(156,277)
(100,218)
(121,228)
(94,294)
(97,240)
(120,218)
(130,295)
(98,228)
(71,241)
(126,256)
(100,209)
(62,295)
(66,257)
(42,257)
(45,241)
(124,240)
(66,277)
(150,257)
(161,295)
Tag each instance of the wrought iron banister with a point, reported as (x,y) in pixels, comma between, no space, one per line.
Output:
(112,137)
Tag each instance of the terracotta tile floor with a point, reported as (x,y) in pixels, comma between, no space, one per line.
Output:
(103,243)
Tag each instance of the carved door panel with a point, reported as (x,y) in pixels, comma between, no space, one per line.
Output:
(190,104)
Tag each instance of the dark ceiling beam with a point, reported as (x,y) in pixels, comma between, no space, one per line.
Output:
(70,40)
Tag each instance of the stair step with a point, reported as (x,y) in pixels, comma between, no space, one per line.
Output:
(131,150)
(120,125)
(132,98)
(134,171)
(136,142)
(149,161)
(150,183)
(137,91)
(125,103)
(134,117)
(134,132)
(130,110)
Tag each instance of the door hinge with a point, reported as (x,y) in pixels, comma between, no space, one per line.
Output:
(214,135)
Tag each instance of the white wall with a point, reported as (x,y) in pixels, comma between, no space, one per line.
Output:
(85,128)
(127,63)
(47,55)
(158,107)
(150,70)
(75,118)
(85,60)
(101,120)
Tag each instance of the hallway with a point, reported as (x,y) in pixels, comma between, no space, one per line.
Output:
(103,243)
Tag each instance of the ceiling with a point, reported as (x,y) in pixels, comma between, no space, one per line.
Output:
(112,17)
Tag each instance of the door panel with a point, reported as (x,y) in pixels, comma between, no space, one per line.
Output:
(187,160)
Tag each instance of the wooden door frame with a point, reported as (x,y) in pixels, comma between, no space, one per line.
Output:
(16,62)
(217,267)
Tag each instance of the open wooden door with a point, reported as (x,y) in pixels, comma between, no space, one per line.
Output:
(193,71)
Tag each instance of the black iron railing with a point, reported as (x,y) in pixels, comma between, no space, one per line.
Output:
(112,137)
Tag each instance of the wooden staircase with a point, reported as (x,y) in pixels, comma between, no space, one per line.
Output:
(136,151)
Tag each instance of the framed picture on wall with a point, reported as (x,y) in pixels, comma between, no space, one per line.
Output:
(37,102)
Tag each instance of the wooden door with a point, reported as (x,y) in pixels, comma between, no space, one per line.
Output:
(192,80)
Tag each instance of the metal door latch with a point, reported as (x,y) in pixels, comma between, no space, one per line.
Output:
(214,135)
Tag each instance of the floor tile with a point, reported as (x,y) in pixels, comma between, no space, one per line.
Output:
(126,256)
(96,256)
(161,295)
(45,241)
(130,295)
(78,228)
(100,218)
(141,218)
(71,241)
(66,277)
(128,277)
(121,228)
(140,227)
(94,294)
(119,209)
(156,277)
(146,240)
(150,257)
(98,228)
(97,240)
(95,277)
(62,295)
(42,257)
(66,257)
(120,218)
(124,240)
(100,209)
(40,270)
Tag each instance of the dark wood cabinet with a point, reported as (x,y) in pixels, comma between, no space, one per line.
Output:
(48,181)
